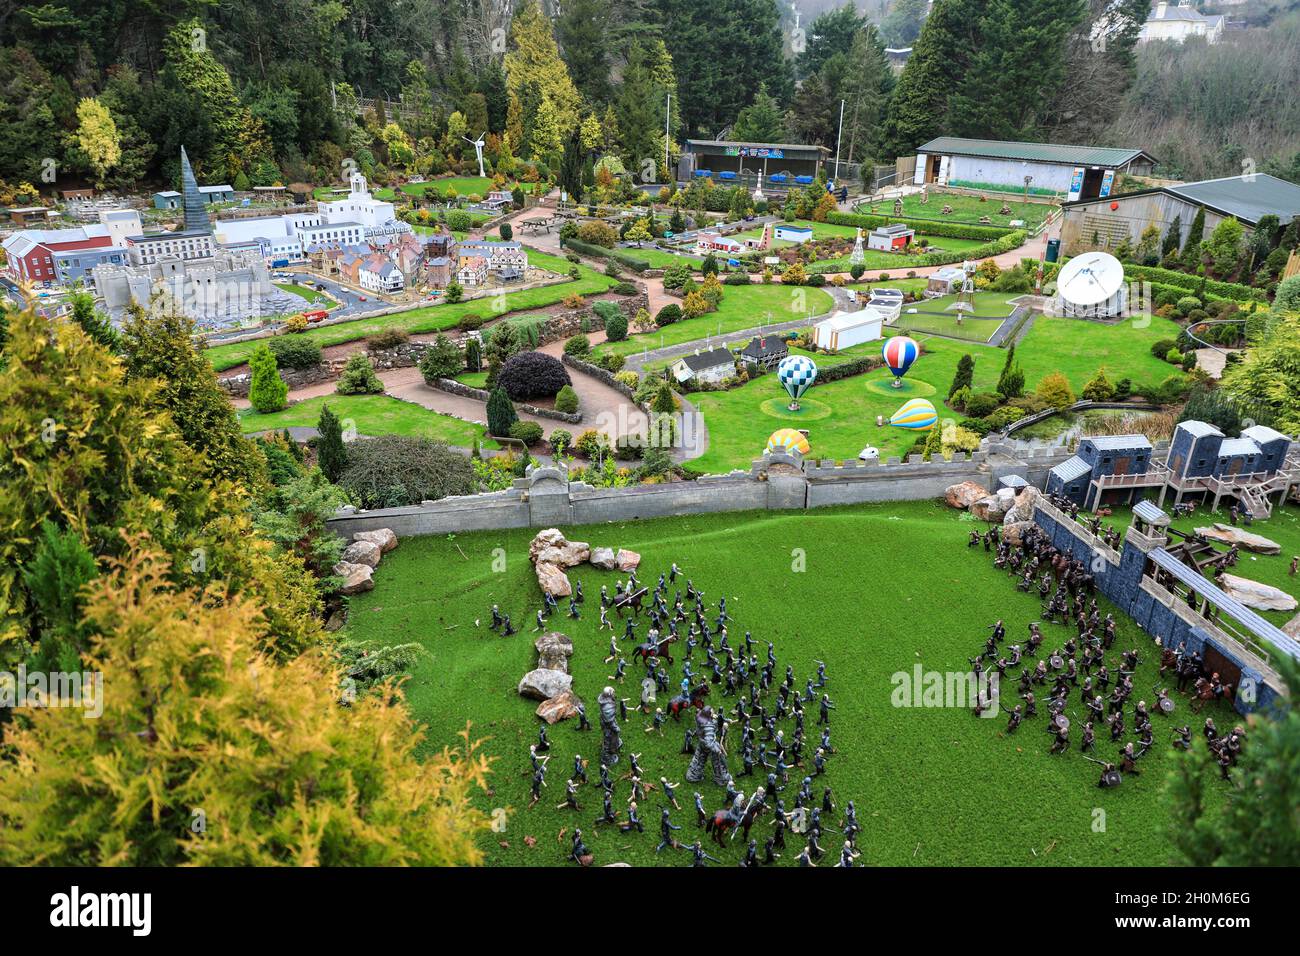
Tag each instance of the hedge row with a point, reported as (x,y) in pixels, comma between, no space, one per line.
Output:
(622,256)
(1013,240)
(833,373)
(1222,290)
(950,230)
(1166,280)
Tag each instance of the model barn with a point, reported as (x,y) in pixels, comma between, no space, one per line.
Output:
(1076,172)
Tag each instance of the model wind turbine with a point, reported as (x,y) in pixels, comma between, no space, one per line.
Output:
(478,151)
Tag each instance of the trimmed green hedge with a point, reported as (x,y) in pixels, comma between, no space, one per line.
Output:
(1217,289)
(1168,280)
(623,256)
(950,230)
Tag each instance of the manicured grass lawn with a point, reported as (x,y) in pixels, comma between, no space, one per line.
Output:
(435,318)
(742,307)
(473,379)
(373,415)
(738,428)
(311,295)
(887,588)
(967,209)
(659,259)
(933,316)
(873,259)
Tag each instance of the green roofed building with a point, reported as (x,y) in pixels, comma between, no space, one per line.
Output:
(1073,172)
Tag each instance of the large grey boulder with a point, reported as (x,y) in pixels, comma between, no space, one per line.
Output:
(964,494)
(1230,534)
(1023,507)
(560,707)
(603,558)
(356,577)
(552,579)
(386,538)
(543,683)
(362,552)
(990,508)
(1262,597)
(553,651)
(549,546)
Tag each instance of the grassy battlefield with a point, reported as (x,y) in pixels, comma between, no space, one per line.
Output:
(874,591)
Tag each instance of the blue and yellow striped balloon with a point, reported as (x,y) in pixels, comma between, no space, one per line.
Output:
(917,414)
(787,439)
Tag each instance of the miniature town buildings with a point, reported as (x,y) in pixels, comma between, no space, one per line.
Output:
(764,352)
(892,238)
(791,233)
(472,271)
(705,367)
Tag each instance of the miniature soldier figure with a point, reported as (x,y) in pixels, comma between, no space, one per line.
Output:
(847,855)
(826,707)
(607,815)
(700,816)
(541,621)
(633,821)
(666,828)
(579,768)
(570,796)
(573,609)
(751,855)
(698,856)
(539,781)
(707,751)
(583,722)
(543,744)
(509,628)
(579,852)
(611,742)
(1089,738)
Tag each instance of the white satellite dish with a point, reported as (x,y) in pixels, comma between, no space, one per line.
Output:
(1089,280)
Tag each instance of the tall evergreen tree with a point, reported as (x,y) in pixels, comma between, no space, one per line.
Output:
(331,453)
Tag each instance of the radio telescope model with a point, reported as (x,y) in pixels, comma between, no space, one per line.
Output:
(966,295)
(1091,285)
(478,151)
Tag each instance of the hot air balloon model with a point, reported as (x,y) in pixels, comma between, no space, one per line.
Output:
(787,439)
(796,373)
(899,352)
(916,413)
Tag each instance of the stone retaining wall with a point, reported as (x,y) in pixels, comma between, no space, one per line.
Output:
(478,394)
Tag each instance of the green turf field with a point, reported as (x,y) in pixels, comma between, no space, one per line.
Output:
(967,209)
(935,316)
(738,428)
(742,307)
(873,259)
(885,589)
(372,415)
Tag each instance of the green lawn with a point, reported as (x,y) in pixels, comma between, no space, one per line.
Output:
(933,786)
(933,316)
(373,415)
(311,295)
(739,428)
(873,259)
(435,318)
(742,307)
(967,209)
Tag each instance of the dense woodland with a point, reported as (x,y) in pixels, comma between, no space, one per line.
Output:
(106,92)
